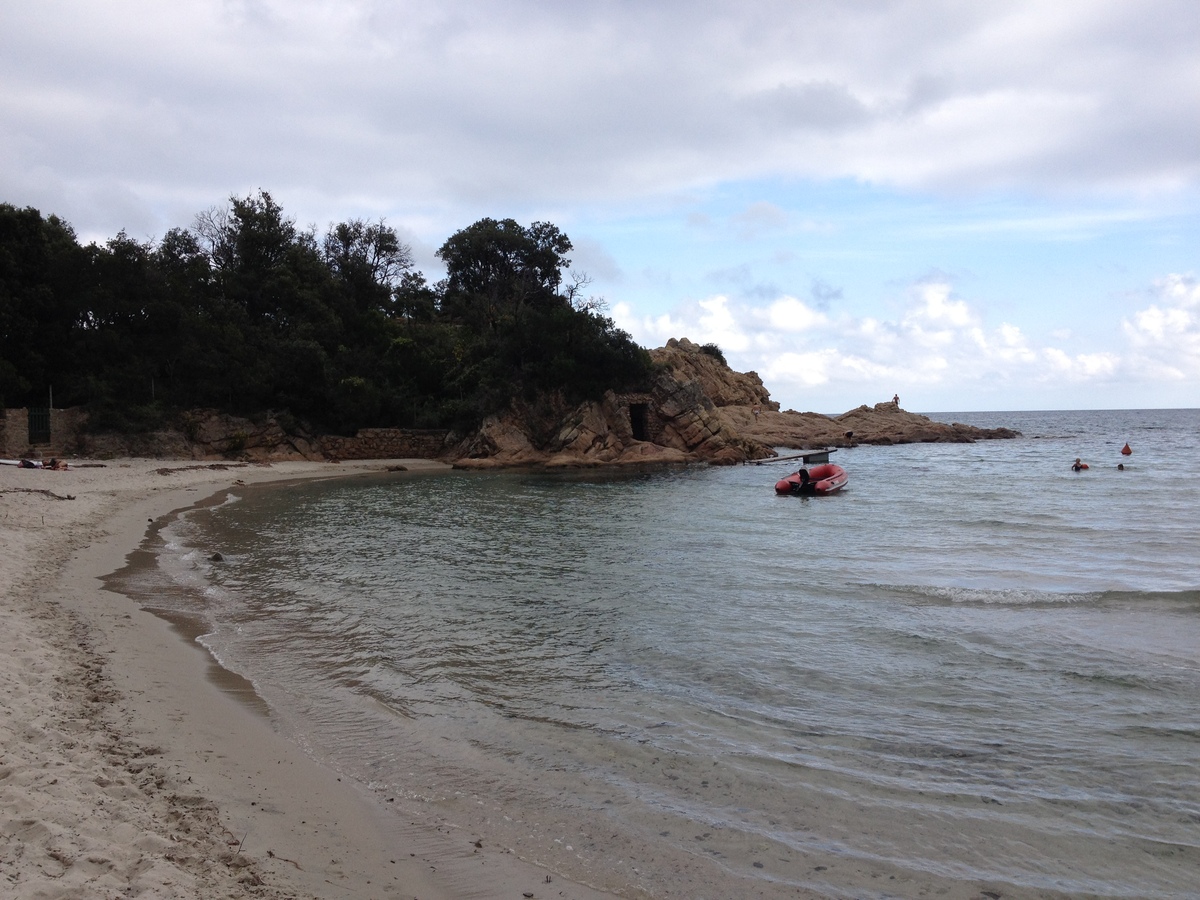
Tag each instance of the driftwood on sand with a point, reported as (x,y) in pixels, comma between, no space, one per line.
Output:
(48,493)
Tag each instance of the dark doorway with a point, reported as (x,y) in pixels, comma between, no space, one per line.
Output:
(39,425)
(638,413)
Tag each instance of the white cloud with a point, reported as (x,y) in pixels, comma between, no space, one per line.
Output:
(789,314)
(434,106)
(1164,337)
(1083,367)
(710,320)
(935,308)
(939,345)
(719,324)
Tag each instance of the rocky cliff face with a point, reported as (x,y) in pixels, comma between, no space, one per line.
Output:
(697,408)
(724,387)
(674,421)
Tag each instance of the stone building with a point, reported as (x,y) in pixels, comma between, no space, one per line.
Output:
(37,432)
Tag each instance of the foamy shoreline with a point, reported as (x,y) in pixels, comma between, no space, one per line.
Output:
(126,770)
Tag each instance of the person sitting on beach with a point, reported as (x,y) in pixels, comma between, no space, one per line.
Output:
(57,465)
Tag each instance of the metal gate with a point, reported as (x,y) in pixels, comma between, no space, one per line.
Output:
(39,425)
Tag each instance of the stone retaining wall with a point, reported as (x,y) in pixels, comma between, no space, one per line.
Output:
(14,433)
(387,443)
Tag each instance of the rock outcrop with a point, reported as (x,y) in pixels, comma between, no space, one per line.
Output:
(724,387)
(696,409)
(887,423)
(883,423)
(674,422)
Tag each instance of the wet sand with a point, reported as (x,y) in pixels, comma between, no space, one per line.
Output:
(132,765)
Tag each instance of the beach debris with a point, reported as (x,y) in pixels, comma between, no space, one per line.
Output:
(273,855)
(50,494)
(216,467)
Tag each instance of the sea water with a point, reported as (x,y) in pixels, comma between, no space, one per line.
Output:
(974,669)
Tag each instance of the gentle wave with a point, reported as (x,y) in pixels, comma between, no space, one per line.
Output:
(933,675)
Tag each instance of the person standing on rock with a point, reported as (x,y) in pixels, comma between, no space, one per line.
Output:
(896,399)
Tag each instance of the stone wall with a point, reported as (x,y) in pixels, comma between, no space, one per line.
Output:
(213,436)
(14,433)
(65,427)
(386,443)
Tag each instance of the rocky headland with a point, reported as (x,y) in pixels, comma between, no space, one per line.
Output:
(695,409)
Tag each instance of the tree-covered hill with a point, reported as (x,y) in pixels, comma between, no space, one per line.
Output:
(246,312)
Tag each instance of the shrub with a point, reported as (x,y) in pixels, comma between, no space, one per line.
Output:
(715,352)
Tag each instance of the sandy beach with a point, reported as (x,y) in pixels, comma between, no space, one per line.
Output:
(131,765)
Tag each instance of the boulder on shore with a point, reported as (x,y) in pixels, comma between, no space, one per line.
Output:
(883,423)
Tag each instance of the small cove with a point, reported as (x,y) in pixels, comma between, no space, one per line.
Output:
(972,668)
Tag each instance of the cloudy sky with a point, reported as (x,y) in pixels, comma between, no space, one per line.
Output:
(980,206)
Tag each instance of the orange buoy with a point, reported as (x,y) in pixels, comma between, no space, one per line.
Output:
(1125,451)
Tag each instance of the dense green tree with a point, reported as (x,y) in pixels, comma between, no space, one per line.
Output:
(529,331)
(494,268)
(369,261)
(415,300)
(42,268)
(272,308)
(248,313)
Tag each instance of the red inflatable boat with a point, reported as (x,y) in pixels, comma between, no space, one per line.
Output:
(822,479)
